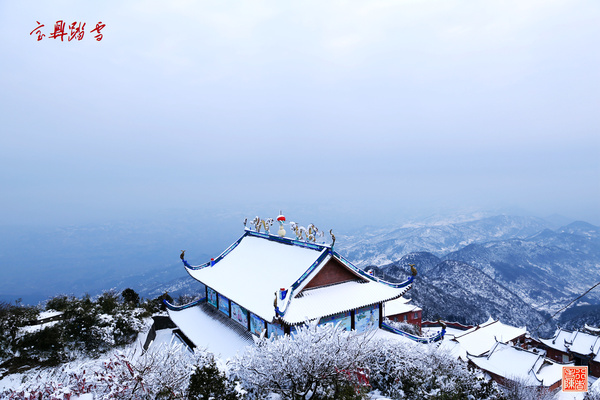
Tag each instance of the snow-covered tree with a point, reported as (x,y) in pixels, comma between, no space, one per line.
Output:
(518,389)
(317,362)
(162,373)
(408,370)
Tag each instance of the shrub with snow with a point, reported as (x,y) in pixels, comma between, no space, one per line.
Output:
(163,373)
(317,362)
(208,382)
(405,370)
(518,389)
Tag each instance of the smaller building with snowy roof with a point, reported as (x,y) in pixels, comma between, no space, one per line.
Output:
(400,310)
(482,338)
(505,363)
(580,347)
(274,283)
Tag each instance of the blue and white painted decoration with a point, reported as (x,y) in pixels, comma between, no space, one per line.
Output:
(366,318)
(224,304)
(239,314)
(211,297)
(344,319)
(274,329)
(257,324)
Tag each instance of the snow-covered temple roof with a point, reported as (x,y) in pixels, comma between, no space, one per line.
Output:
(514,363)
(399,306)
(558,341)
(576,342)
(329,300)
(206,331)
(480,339)
(254,268)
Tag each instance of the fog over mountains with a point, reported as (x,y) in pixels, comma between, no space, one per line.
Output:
(519,269)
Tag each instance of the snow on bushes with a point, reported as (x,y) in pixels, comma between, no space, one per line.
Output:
(326,362)
(162,373)
(406,370)
(317,362)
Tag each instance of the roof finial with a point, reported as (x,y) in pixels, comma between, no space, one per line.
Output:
(281,220)
(267,223)
(413,269)
(332,237)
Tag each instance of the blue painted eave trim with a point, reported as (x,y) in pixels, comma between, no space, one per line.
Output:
(183,307)
(421,339)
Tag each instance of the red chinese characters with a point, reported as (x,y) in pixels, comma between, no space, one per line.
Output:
(38,31)
(574,379)
(76,30)
(99,27)
(59,30)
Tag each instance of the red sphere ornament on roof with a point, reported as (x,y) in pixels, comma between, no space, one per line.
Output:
(281,220)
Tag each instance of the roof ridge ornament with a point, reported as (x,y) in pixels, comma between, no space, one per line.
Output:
(413,270)
(266,224)
(307,235)
(332,237)
(281,220)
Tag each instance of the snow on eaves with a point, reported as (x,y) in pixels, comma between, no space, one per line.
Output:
(342,297)
(399,306)
(206,331)
(252,270)
(480,339)
(517,364)
(575,342)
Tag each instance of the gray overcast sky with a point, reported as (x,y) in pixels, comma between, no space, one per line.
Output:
(352,107)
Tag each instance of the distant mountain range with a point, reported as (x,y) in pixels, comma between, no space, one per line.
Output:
(512,268)
(385,245)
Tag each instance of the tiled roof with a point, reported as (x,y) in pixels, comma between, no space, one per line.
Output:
(329,300)
(255,269)
(399,306)
(480,339)
(576,342)
(515,363)
(585,344)
(256,266)
(208,328)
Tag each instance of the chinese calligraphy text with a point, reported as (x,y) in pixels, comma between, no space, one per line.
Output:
(72,31)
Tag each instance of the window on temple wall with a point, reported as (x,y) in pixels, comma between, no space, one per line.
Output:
(274,329)
(416,316)
(405,317)
(239,314)
(212,297)
(224,304)
(257,324)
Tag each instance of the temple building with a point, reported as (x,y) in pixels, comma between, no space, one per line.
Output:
(274,283)
(580,347)
(480,339)
(505,363)
(400,310)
